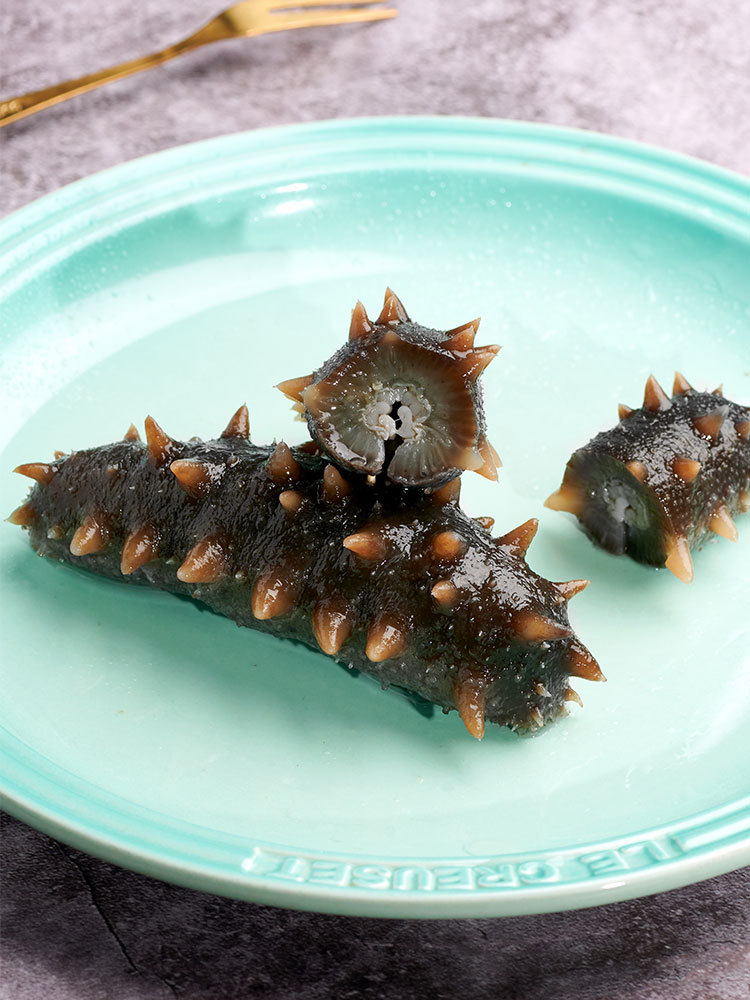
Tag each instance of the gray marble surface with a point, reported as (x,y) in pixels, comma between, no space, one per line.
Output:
(671,73)
(674,74)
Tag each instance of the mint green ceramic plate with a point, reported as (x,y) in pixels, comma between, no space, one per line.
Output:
(172,742)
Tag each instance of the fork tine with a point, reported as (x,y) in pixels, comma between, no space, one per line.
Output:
(318,18)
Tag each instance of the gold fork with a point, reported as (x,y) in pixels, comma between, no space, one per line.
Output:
(242,20)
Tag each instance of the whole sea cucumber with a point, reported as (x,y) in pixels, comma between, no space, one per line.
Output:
(400,400)
(398,583)
(666,477)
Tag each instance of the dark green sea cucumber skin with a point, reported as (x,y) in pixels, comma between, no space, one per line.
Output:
(656,438)
(242,505)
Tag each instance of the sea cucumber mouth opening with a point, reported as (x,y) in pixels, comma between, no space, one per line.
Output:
(621,512)
(400,400)
(399,410)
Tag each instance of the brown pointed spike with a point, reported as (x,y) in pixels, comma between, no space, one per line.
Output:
(624,411)
(567,498)
(488,468)
(274,594)
(447,545)
(291,501)
(335,487)
(309,448)
(680,386)
(332,625)
(393,310)
(571,695)
(533,627)
(160,445)
(360,325)
(293,388)
(477,360)
(24,516)
(282,467)
(485,522)
(367,544)
(520,538)
(131,434)
(469,697)
(718,391)
(743,429)
(239,425)
(471,460)
(655,398)
(313,394)
(461,338)
(637,469)
(679,560)
(59,454)
(721,523)
(205,562)
(710,425)
(450,493)
(493,454)
(91,536)
(570,588)
(536,717)
(194,477)
(141,547)
(686,468)
(446,593)
(386,638)
(582,664)
(39,471)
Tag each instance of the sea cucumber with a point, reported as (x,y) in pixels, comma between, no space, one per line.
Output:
(666,477)
(400,400)
(398,583)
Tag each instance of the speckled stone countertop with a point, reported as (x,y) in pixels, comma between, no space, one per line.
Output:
(76,928)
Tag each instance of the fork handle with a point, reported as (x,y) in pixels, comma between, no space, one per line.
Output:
(27,104)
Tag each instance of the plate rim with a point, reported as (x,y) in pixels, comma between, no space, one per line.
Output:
(643,163)
(30,234)
(721,843)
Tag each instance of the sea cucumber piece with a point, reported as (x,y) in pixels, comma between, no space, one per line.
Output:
(400,401)
(668,476)
(397,583)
